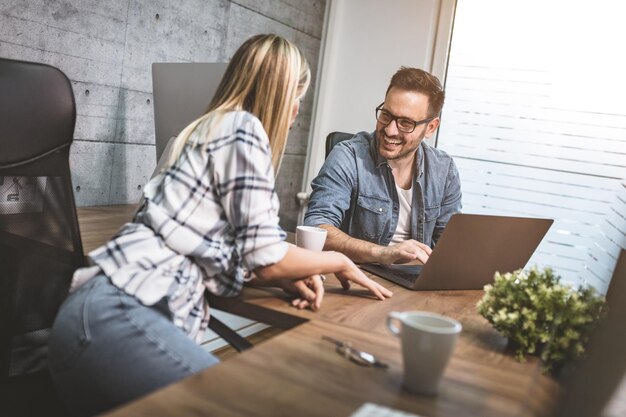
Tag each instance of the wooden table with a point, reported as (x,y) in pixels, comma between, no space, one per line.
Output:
(296,373)
(482,379)
(299,374)
(98,224)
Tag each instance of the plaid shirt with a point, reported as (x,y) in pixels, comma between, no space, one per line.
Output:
(211,214)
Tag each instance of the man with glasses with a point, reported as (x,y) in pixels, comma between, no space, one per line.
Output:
(386,196)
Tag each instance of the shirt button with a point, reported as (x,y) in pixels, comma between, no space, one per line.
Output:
(380,209)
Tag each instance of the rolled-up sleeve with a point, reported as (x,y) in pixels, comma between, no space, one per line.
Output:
(332,188)
(244,180)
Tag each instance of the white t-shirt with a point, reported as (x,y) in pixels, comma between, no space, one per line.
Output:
(403,230)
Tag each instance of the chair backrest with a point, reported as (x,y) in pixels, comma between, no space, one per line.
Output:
(40,244)
(334,138)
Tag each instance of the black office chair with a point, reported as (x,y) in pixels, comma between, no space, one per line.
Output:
(334,138)
(40,244)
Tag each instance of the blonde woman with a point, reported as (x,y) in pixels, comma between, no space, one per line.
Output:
(132,321)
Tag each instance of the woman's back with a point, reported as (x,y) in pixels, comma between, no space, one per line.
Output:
(200,220)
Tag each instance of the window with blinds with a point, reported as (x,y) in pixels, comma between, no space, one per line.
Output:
(535,118)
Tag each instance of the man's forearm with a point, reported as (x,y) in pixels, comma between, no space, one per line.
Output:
(360,251)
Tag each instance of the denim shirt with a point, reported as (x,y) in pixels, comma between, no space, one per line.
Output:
(355,192)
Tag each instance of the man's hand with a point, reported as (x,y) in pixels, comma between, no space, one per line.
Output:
(309,291)
(407,251)
(362,251)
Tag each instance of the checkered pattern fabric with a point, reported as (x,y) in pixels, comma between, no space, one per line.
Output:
(204,219)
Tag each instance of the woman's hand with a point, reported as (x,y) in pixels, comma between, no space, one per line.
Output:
(300,262)
(309,291)
(351,273)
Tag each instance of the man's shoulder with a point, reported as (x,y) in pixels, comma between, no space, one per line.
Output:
(358,145)
(435,155)
(350,156)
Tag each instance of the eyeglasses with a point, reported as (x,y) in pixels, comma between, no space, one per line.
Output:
(404,124)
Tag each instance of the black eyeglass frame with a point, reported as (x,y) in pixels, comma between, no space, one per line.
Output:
(395,118)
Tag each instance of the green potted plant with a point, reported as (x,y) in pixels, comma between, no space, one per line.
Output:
(540,316)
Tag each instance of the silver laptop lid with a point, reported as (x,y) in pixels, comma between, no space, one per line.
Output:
(474,246)
(471,249)
(181,93)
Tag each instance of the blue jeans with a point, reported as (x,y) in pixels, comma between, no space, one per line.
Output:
(106,348)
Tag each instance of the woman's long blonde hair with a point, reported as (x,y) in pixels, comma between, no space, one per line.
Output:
(265,77)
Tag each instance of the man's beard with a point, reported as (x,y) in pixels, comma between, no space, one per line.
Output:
(403,153)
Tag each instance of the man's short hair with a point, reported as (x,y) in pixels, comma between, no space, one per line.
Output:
(420,81)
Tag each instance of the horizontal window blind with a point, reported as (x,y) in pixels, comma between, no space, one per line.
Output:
(605,250)
(536,130)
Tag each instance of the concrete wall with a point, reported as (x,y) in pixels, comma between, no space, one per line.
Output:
(106,48)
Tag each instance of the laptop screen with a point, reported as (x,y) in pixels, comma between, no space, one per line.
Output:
(181,94)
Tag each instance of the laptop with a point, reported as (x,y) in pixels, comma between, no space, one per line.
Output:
(181,93)
(470,250)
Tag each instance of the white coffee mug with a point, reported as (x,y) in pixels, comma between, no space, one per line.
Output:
(428,340)
(312,238)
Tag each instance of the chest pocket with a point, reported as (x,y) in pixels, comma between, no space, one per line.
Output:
(431,213)
(372,217)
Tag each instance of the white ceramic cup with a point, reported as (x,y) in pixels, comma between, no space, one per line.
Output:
(311,238)
(428,340)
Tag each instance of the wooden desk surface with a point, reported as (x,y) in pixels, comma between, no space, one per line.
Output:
(355,308)
(97,224)
(298,374)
